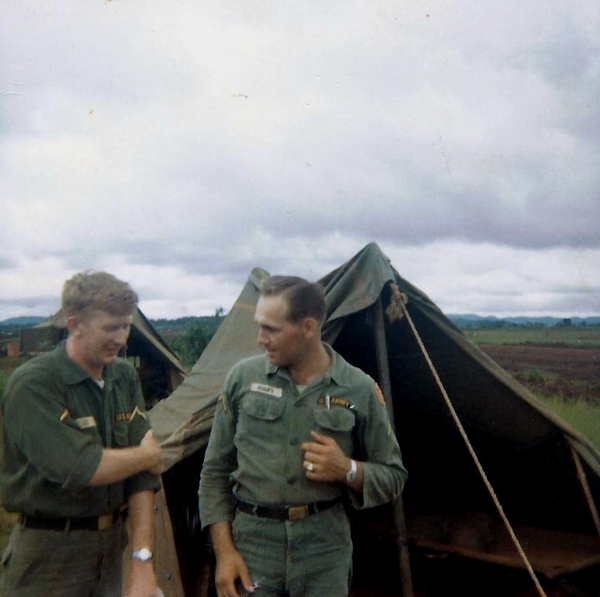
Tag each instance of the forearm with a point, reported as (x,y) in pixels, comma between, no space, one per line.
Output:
(141,580)
(117,464)
(222,540)
(141,517)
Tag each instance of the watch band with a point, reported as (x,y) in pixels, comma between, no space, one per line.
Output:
(351,474)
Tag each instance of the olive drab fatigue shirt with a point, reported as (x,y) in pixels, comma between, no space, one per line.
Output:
(56,421)
(260,421)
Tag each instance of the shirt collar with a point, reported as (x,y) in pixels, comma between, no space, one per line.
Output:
(334,373)
(72,373)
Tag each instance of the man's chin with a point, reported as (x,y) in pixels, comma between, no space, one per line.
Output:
(273,359)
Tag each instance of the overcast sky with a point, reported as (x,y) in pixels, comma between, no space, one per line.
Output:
(178,144)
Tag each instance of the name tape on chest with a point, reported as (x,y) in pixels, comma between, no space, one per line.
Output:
(86,422)
(334,401)
(266,389)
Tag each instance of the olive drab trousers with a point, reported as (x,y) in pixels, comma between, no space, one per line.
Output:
(304,558)
(46,563)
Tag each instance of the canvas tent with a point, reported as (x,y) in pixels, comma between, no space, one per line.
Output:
(159,368)
(530,457)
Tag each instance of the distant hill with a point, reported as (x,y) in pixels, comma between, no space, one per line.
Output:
(22,322)
(463,320)
(470,320)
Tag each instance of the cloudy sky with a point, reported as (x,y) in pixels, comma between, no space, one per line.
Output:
(180,143)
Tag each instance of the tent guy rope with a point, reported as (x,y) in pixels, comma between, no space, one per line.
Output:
(399,300)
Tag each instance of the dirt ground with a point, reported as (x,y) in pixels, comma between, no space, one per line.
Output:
(551,370)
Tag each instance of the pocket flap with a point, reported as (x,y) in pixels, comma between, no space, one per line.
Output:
(336,419)
(263,407)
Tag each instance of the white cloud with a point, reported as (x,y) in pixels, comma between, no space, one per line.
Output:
(188,141)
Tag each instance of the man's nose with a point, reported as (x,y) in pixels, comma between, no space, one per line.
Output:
(121,336)
(261,338)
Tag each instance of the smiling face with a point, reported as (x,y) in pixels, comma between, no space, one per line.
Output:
(284,340)
(96,339)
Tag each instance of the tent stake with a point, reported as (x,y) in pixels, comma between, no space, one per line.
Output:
(398,506)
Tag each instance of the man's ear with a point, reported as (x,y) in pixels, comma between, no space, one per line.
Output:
(73,324)
(311,327)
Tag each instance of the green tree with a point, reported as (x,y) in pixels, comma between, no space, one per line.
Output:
(198,333)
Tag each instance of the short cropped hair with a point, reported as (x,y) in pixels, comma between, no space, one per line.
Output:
(304,299)
(88,291)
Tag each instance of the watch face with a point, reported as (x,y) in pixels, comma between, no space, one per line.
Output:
(143,554)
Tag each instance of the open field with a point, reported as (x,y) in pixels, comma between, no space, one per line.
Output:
(580,336)
(552,371)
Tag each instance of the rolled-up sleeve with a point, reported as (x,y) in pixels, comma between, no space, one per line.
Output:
(51,440)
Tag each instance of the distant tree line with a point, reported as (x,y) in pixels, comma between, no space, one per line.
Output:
(485,323)
(189,336)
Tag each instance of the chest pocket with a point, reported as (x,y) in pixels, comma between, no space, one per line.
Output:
(337,423)
(335,419)
(263,407)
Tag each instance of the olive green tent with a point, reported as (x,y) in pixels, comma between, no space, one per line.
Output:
(544,475)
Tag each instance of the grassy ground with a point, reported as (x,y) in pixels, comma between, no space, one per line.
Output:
(580,336)
(580,414)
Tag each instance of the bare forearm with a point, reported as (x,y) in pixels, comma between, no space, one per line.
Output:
(119,464)
(220,533)
(141,516)
(141,580)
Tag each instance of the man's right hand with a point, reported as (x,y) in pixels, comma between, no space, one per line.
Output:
(230,567)
(153,453)
(230,563)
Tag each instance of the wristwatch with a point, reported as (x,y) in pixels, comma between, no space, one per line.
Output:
(351,474)
(143,555)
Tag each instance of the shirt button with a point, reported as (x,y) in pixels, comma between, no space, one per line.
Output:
(294,441)
(291,480)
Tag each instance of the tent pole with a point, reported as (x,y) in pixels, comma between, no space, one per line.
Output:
(398,506)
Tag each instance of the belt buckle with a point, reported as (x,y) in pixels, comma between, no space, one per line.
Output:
(105,522)
(297,512)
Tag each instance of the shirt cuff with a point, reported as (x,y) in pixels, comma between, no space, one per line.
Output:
(141,482)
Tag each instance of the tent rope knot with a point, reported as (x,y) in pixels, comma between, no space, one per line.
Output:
(395,309)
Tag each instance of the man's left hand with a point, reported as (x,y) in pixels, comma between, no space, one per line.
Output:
(324,459)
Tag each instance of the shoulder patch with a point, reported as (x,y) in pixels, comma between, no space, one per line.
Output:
(379,394)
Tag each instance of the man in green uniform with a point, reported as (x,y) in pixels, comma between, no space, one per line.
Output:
(78,449)
(293,430)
